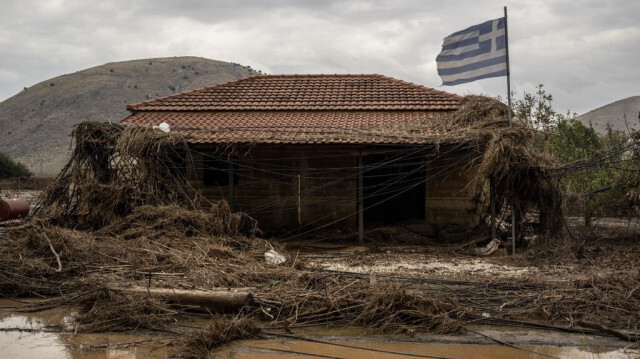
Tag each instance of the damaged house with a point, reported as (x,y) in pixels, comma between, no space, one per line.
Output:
(302,152)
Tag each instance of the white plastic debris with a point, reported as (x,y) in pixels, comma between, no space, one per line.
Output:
(164,127)
(501,224)
(274,257)
(488,249)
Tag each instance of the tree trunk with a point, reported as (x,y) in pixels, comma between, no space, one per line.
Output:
(199,300)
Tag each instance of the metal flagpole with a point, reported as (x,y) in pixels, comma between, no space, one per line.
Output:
(506,41)
(513,204)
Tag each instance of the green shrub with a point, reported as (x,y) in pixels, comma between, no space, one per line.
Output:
(598,170)
(10,168)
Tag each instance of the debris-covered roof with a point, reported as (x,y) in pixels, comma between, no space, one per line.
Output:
(303,109)
(300,127)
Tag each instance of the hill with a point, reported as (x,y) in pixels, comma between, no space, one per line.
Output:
(37,122)
(615,114)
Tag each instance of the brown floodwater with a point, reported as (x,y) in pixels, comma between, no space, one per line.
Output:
(49,334)
(272,349)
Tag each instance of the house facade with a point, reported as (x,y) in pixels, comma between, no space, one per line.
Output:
(302,152)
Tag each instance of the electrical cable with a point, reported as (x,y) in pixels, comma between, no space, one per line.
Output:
(297,337)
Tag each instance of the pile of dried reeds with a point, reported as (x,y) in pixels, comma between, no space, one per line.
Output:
(481,111)
(507,154)
(393,309)
(308,298)
(607,301)
(109,310)
(221,331)
(154,222)
(41,257)
(112,170)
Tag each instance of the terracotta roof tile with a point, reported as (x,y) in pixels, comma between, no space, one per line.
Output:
(306,92)
(303,127)
(304,109)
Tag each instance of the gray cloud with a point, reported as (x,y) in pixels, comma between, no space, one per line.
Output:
(585,54)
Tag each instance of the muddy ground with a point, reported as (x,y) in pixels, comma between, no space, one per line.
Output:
(607,250)
(398,285)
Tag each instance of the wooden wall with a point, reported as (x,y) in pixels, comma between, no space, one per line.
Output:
(325,193)
(289,187)
(450,200)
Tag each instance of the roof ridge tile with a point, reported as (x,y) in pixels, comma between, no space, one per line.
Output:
(317,91)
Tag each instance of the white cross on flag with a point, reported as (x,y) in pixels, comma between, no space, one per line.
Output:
(475,53)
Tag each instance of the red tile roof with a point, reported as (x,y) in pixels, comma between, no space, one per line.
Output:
(351,127)
(306,92)
(304,109)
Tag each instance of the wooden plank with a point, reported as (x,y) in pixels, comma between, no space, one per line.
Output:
(449,198)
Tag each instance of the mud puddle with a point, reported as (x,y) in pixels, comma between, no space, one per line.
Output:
(478,343)
(49,334)
(272,349)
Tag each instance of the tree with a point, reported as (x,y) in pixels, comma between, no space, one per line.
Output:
(10,168)
(535,110)
(600,184)
(573,141)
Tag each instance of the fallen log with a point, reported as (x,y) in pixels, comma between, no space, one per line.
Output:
(195,299)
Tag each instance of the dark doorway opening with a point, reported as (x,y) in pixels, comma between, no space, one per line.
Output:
(216,172)
(393,189)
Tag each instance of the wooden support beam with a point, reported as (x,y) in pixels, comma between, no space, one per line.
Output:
(299,203)
(200,300)
(231,183)
(427,192)
(513,227)
(492,203)
(360,200)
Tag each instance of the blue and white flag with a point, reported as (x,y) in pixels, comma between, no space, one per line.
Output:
(475,53)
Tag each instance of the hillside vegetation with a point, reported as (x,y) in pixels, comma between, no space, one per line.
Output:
(37,122)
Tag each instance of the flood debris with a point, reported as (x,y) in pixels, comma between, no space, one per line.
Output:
(521,172)
(274,257)
(208,301)
(113,170)
(112,310)
(392,309)
(488,249)
(219,332)
(13,208)
(121,236)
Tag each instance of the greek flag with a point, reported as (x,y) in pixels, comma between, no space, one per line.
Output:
(475,53)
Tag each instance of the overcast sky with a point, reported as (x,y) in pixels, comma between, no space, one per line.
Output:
(586,53)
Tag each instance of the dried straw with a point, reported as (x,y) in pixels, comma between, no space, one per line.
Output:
(508,155)
(219,332)
(114,169)
(109,310)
